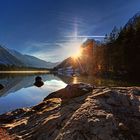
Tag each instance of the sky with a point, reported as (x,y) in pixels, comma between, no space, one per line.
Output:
(51,29)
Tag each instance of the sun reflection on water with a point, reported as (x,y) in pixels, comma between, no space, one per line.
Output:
(75,80)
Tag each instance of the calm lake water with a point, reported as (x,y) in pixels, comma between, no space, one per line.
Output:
(19,90)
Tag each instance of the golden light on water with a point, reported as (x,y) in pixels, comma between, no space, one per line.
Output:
(75,80)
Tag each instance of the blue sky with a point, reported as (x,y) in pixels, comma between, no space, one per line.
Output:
(41,27)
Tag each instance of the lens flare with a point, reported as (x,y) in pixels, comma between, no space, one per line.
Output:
(77,54)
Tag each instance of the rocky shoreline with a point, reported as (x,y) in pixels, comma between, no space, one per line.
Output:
(78,112)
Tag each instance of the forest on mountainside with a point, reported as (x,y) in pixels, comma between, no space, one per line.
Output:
(120,52)
(19,68)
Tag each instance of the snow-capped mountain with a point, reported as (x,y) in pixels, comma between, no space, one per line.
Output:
(12,57)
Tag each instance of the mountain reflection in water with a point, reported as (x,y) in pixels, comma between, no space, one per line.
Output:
(19,90)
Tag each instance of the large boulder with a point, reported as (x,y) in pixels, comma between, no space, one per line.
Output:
(71,91)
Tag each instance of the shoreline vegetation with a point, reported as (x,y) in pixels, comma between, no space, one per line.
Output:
(78,111)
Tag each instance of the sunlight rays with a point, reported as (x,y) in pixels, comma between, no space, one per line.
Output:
(67,46)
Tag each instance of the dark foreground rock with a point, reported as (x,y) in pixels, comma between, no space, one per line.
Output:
(100,114)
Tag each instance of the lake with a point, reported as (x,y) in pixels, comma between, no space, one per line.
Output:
(19,90)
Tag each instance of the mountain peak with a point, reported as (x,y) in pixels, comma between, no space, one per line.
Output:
(133,21)
(137,14)
(13,57)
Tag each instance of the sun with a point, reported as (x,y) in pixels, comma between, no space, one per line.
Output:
(77,54)
(76,49)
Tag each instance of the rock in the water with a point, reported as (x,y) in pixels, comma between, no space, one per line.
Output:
(38,81)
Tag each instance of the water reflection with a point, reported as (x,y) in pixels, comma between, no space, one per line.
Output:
(14,83)
(97,81)
(19,90)
(75,80)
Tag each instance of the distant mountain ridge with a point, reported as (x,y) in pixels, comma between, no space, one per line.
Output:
(12,57)
(6,58)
